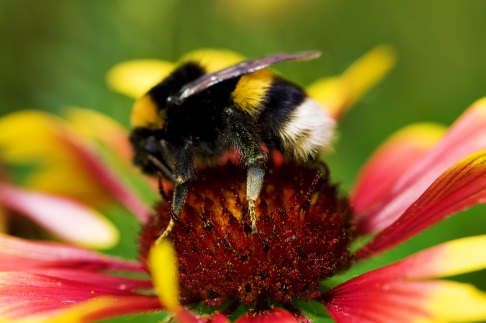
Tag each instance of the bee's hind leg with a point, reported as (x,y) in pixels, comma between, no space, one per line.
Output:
(254,182)
(240,129)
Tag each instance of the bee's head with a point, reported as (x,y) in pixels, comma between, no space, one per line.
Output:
(144,144)
(147,139)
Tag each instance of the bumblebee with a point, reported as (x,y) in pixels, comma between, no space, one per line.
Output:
(193,117)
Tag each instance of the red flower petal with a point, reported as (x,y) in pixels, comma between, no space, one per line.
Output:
(26,294)
(404,291)
(96,278)
(102,174)
(184,316)
(448,259)
(461,186)
(99,127)
(276,315)
(219,318)
(366,299)
(65,218)
(390,161)
(69,163)
(19,254)
(466,136)
(97,309)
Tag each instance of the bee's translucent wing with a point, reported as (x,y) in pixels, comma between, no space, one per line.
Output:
(202,83)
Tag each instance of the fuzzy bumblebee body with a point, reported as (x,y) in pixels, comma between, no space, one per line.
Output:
(194,116)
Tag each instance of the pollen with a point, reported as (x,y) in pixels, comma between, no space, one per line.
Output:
(303,234)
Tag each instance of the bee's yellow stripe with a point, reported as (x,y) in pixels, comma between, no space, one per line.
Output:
(251,90)
(145,114)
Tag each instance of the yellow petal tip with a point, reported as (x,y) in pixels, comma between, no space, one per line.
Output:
(425,134)
(464,255)
(336,95)
(163,266)
(213,59)
(136,77)
(108,239)
(456,302)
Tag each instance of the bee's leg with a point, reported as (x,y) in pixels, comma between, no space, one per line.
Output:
(169,227)
(166,231)
(180,193)
(247,142)
(183,172)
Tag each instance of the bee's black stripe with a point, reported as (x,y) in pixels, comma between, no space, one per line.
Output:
(282,99)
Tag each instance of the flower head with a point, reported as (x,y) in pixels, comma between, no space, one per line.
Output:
(307,229)
(304,231)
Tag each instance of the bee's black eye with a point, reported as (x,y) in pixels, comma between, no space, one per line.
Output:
(152,145)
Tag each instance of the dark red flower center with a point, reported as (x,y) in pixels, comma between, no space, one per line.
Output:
(304,231)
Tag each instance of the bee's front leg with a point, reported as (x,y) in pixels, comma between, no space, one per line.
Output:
(183,172)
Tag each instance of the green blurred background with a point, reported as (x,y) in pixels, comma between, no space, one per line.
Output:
(55,53)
